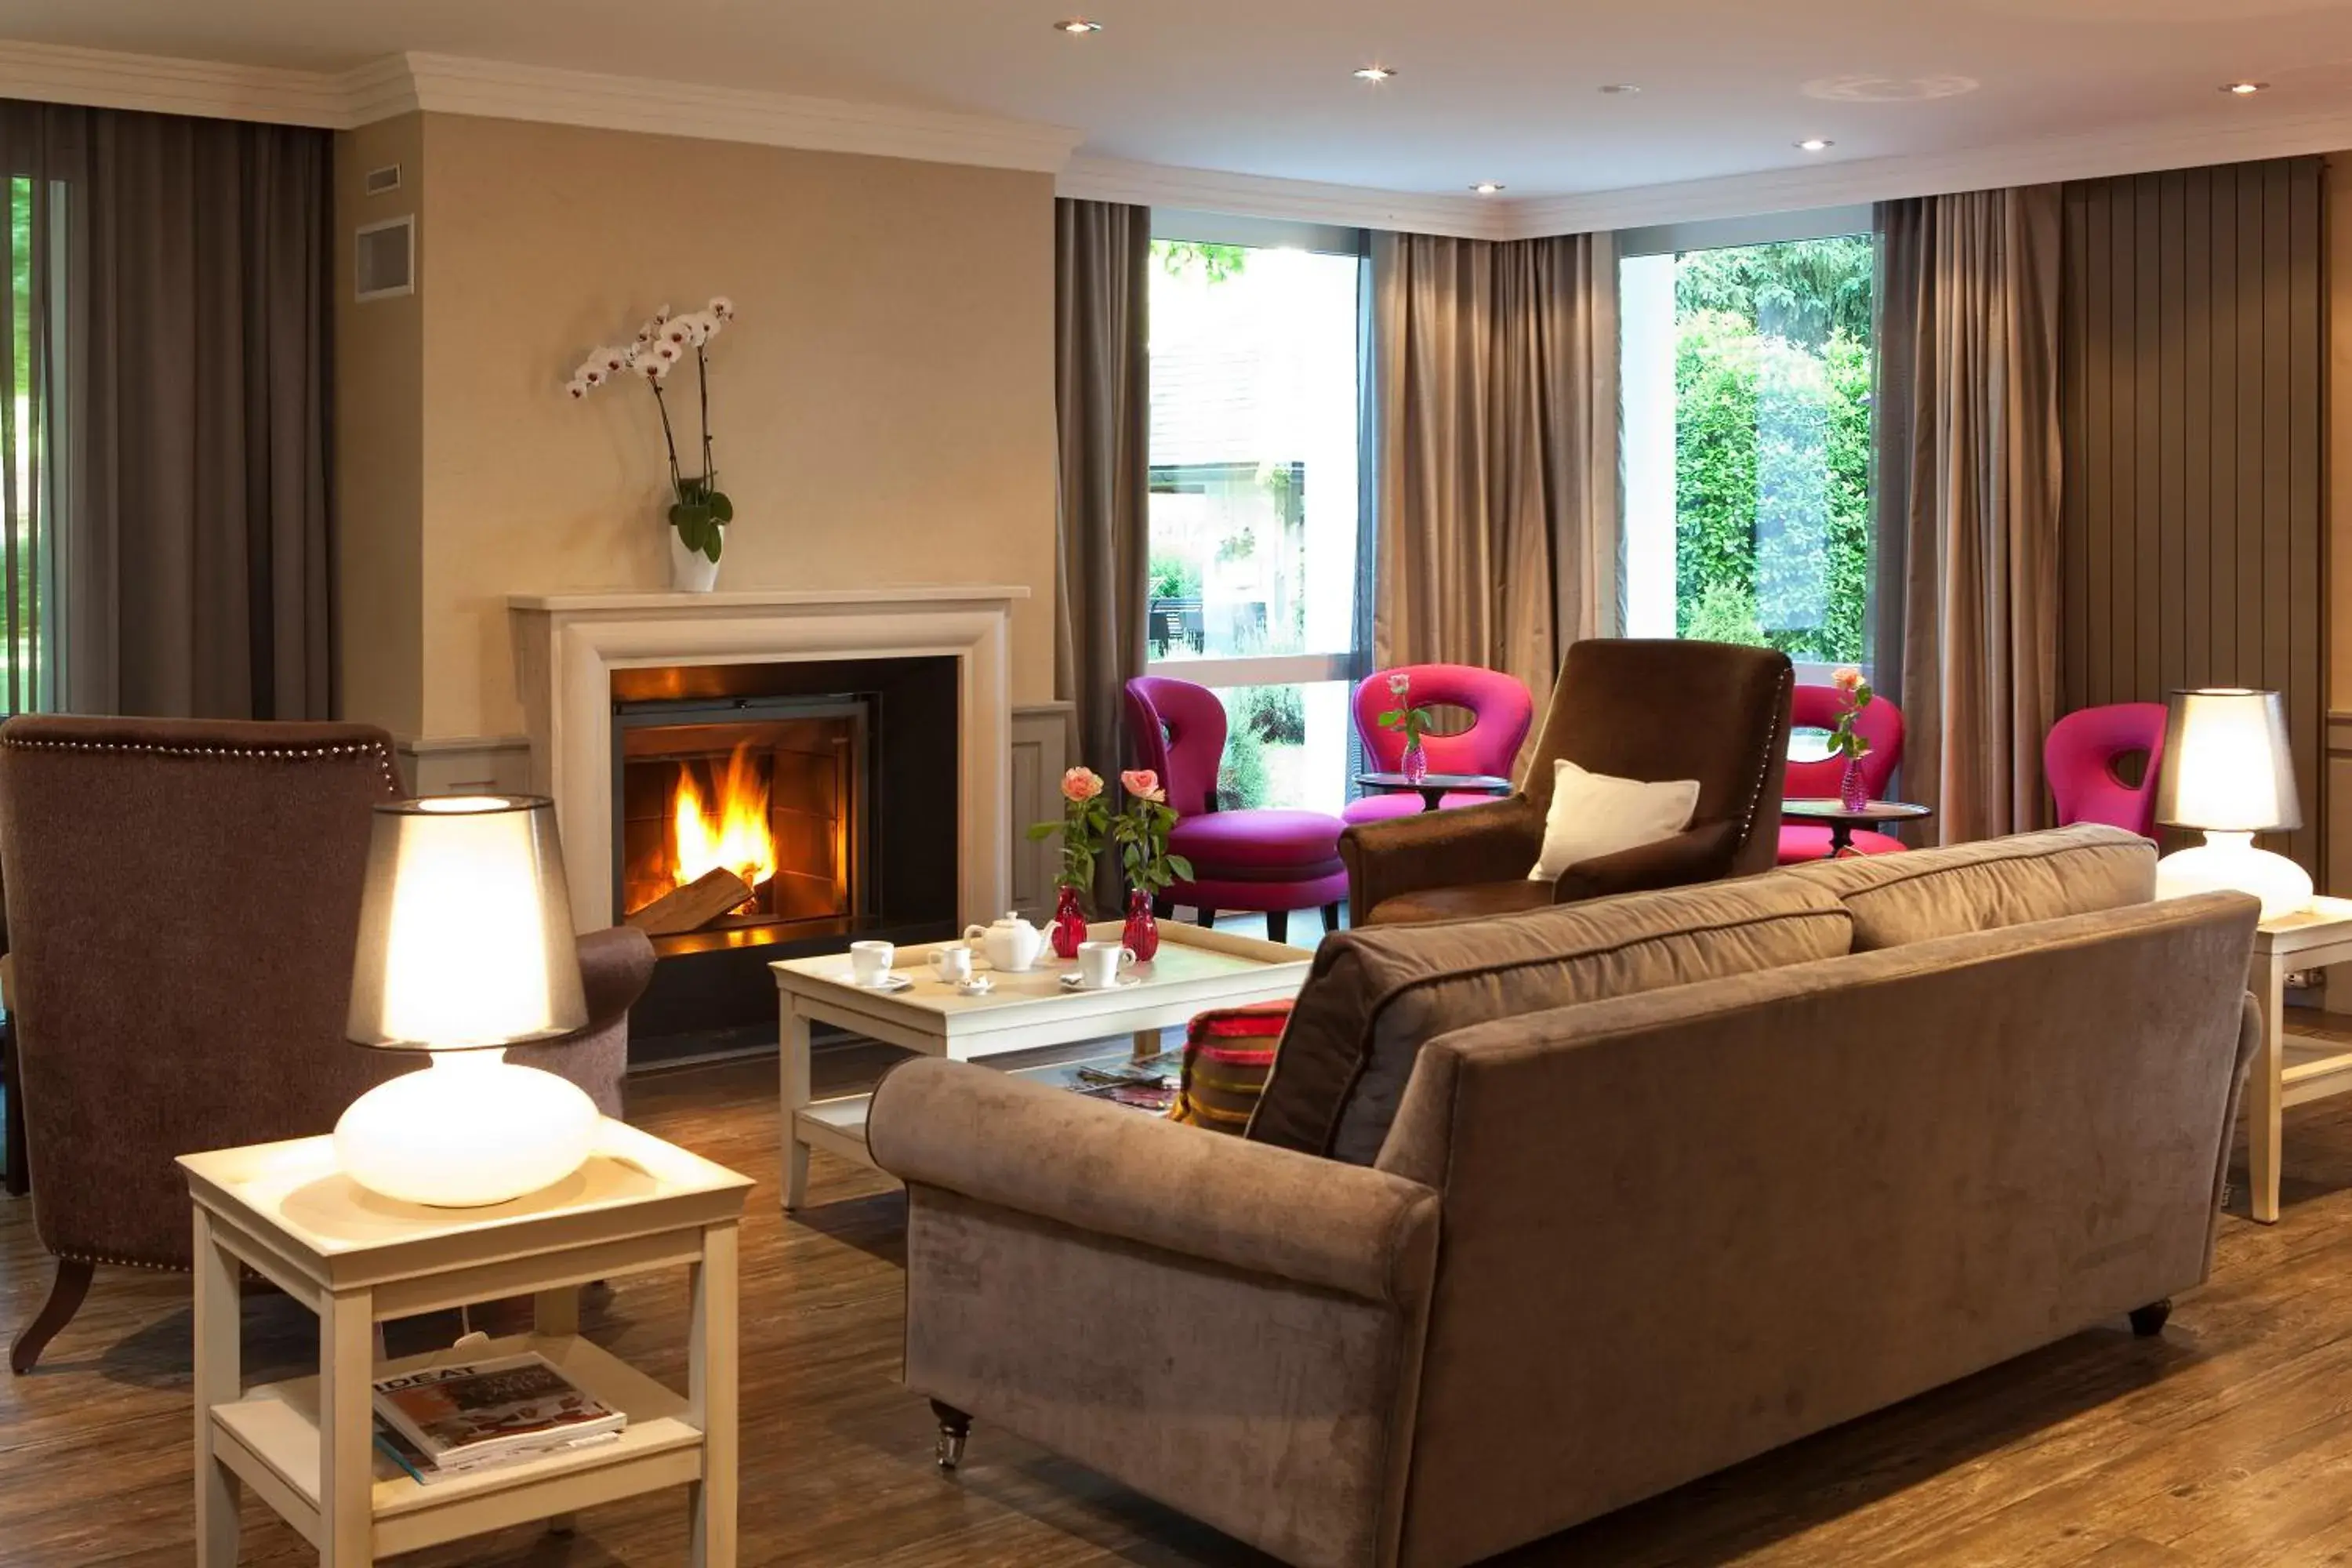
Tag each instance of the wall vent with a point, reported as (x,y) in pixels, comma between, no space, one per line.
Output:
(381,181)
(385,255)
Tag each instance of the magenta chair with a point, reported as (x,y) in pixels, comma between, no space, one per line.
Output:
(2079,761)
(1880,724)
(1501,711)
(1268,860)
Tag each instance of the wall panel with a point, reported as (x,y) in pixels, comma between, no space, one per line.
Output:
(2192,399)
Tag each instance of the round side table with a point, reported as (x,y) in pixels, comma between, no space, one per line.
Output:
(1844,819)
(1435,787)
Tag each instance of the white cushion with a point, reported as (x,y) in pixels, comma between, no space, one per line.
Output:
(1594,815)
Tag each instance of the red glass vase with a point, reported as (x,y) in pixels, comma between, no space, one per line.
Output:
(1142,935)
(1416,762)
(1853,793)
(1069,924)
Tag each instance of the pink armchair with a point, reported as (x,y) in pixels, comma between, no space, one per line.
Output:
(1880,724)
(1501,712)
(2079,761)
(1270,860)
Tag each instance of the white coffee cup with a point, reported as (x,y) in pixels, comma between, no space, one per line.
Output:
(952,965)
(869,961)
(1099,963)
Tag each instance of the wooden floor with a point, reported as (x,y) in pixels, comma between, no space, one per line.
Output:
(2228,1441)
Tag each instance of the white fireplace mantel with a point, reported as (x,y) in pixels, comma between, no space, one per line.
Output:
(568,645)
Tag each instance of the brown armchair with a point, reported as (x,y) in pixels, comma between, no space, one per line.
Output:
(1630,707)
(183,902)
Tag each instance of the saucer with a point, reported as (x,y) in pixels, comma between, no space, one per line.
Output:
(1072,982)
(978,986)
(894,981)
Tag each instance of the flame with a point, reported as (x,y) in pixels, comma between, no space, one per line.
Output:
(733,834)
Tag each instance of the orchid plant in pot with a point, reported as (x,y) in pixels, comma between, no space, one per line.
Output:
(1141,833)
(1847,742)
(699,511)
(1085,826)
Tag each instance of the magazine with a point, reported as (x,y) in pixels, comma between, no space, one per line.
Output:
(473,1411)
(397,1456)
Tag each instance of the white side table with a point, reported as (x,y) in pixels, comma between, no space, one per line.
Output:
(2290,1069)
(306,1446)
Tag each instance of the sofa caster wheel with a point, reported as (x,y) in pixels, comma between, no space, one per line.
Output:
(954,1427)
(2148,1321)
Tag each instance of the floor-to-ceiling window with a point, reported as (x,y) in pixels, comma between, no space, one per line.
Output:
(27,422)
(1747,373)
(1258,495)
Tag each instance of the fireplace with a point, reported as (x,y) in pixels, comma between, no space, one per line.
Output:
(774,810)
(764,795)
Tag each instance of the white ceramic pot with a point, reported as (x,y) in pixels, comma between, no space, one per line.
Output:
(1012,944)
(690,570)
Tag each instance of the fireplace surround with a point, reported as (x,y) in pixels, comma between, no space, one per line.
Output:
(897,696)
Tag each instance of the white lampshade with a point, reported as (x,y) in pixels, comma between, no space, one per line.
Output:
(2227,766)
(2227,770)
(465,927)
(465,948)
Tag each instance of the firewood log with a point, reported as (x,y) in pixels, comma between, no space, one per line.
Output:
(694,906)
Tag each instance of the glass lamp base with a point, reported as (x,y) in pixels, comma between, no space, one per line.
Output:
(471,1130)
(2228,862)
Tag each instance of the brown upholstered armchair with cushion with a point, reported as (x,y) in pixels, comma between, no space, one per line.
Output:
(1629,708)
(183,902)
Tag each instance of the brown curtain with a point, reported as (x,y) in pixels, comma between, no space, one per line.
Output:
(1970,484)
(1494,385)
(1102,400)
(176,301)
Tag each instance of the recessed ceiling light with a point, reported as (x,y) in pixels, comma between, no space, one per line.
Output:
(1620,87)
(1816,144)
(2245,88)
(1373,73)
(1078,27)
(1488,188)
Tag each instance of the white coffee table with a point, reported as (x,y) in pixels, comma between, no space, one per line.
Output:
(1195,970)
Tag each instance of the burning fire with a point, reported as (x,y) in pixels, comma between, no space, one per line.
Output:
(732,833)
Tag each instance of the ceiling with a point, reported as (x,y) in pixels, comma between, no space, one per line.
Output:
(1487,89)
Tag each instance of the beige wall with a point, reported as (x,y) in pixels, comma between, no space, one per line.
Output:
(378,447)
(883,408)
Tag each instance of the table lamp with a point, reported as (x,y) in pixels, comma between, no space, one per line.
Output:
(465,949)
(2228,771)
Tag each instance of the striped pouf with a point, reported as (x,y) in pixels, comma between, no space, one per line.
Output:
(1227,1055)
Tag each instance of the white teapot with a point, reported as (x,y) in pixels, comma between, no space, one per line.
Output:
(1012,944)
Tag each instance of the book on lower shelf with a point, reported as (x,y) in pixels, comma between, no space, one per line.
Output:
(462,1418)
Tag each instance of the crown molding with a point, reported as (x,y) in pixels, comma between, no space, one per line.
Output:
(446,84)
(2138,150)
(103,78)
(1258,196)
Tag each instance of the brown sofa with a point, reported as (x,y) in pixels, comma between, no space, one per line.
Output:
(183,905)
(1728,1166)
(1630,708)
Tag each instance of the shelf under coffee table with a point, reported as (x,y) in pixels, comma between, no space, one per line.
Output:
(1029,1013)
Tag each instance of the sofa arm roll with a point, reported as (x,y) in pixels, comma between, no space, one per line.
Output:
(1113,1170)
(1494,841)
(1696,854)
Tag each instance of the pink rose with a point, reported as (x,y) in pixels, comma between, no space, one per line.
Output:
(1081,784)
(1143,785)
(1848,680)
